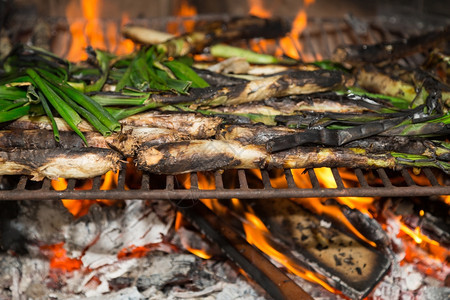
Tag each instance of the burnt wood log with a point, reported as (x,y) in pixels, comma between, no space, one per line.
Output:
(269,277)
(345,262)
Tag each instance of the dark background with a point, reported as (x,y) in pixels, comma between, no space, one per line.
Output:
(288,8)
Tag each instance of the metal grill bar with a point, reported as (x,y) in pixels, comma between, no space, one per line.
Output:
(25,190)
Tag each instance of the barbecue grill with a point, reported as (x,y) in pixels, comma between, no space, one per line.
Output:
(318,41)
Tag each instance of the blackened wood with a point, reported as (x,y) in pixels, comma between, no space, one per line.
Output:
(251,260)
(347,263)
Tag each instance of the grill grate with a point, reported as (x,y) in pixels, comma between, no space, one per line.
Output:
(318,40)
(150,186)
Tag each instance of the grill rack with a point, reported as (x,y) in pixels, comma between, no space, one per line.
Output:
(318,40)
(25,189)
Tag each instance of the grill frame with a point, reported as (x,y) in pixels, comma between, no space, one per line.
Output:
(170,192)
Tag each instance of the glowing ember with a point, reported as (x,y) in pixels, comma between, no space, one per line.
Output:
(134,251)
(58,258)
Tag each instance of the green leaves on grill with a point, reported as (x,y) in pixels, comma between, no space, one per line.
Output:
(56,87)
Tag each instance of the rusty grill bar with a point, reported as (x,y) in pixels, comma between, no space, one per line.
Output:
(26,189)
(318,40)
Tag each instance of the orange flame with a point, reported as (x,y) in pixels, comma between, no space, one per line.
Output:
(185,10)
(126,46)
(315,204)
(80,208)
(417,236)
(290,43)
(325,177)
(58,258)
(256,232)
(91,11)
(86,29)
(198,252)
(257,9)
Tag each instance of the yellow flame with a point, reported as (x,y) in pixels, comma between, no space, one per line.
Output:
(325,177)
(416,235)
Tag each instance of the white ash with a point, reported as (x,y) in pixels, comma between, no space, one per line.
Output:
(325,224)
(96,239)
(406,281)
(136,226)
(130,293)
(435,293)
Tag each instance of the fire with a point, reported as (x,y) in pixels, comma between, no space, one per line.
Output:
(58,258)
(198,252)
(325,177)
(256,233)
(185,10)
(290,43)
(80,208)
(257,9)
(315,204)
(417,236)
(86,29)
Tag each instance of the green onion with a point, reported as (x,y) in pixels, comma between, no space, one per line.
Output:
(111,99)
(84,113)
(66,112)
(13,114)
(221,50)
(12,93)
(184,72)
(49,114)
(121,113)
